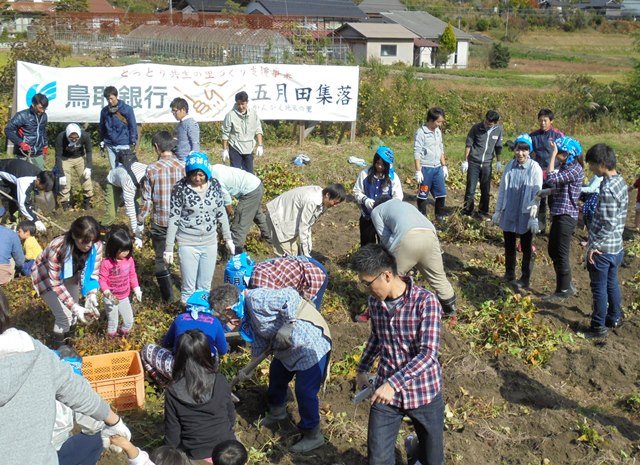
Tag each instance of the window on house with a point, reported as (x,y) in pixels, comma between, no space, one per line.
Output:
(388,50)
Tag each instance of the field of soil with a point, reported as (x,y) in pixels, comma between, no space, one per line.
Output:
(500,410)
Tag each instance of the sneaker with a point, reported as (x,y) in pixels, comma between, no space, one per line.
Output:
(613,324)
(520,284)
(112,335)
(124,332)
(561,295)
(597,332)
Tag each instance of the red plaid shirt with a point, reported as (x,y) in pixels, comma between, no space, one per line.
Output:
(296,272)
(160,178)
(48,266)
(407,342)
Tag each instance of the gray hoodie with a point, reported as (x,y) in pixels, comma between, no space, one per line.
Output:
(32,377)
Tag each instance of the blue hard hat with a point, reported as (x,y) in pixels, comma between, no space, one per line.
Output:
(525,139)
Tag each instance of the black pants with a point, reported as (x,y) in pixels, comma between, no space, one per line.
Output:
(510,255)
(482,173)
(560,235)
(368,233)
(542,213)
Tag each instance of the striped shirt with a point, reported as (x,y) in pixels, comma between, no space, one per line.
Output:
(407,340)
(268,310)
(119,177)
(161,176)
(296,272)
(568,180)
(605,232)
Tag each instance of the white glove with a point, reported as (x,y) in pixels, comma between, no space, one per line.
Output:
(62,181)
(225,155)
(498,166)
(79,311)
(40,227)
(533,226)
(419,177)
(91,305)
(369,203)
(119,429)
(231,247)
(168,258)
(464,166)
(445,172)
(86,173)
(533,211)
(496,218)
(260,150)
(137,293)
(137,243)
(101,145)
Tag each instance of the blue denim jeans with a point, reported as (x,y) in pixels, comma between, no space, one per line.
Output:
(81,449)
(111,153)
(384,425)
(607,300)
(244,161)
(197,264)
(308,384)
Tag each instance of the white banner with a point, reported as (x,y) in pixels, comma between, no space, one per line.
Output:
(277,92)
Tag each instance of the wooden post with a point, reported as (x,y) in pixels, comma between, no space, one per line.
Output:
(300,132)
(352,135)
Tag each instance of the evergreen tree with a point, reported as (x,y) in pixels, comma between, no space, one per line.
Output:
(447,45)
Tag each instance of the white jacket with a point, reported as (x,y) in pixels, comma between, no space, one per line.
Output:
(294,212)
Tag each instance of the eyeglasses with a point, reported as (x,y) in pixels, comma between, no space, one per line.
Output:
(368,284)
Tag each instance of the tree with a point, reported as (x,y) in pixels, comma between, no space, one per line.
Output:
(42,50)
(499,56)
(447,45)
(233,8)
(72,5)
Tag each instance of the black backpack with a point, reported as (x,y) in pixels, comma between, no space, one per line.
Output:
(126,158)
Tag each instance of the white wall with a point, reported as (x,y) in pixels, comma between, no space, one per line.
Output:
(404,51)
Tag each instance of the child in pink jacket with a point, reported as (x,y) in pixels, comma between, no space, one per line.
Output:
(117,278)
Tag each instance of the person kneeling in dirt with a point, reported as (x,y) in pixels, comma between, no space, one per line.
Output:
(282,322)
(413,241)
(305,274)
(409,378)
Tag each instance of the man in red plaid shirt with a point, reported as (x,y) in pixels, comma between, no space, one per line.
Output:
(405,334)
(305,274)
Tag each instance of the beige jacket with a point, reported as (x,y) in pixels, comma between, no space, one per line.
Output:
(294,212)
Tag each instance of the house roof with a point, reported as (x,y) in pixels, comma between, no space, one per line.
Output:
(318,8)
(598,4)
(378,30)
(425,43)
(102,6)
(423,24)
(376,6)
(210,6)
(218,36)
(31,7)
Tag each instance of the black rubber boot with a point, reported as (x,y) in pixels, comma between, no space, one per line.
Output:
(165,283)
(439,208)
(422,206)
(448,306)
(66,206)
(86,203)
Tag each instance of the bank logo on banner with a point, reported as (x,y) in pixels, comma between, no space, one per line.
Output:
(49,90)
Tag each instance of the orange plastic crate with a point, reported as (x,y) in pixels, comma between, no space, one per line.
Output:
(118,378)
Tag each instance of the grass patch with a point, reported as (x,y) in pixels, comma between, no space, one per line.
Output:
(508,325)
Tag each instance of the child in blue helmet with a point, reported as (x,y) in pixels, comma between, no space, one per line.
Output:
(516,209)
(565,175)
(158,359)
(377,180)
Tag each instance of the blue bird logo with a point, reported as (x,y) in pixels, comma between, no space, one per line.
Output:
(48,89)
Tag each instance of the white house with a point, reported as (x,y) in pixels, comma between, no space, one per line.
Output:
(389,43)
(429,29)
